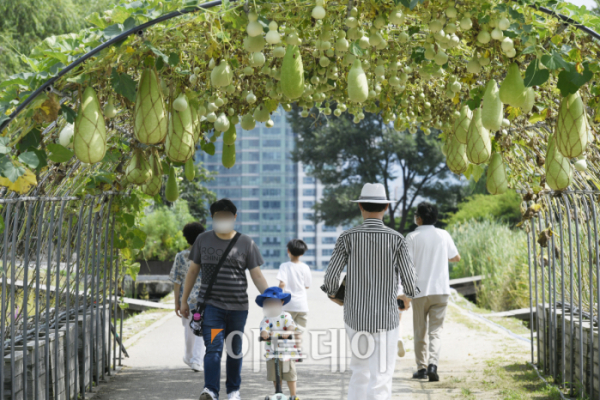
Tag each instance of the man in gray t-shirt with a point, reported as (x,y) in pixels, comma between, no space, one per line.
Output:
(229,290)
(227,304)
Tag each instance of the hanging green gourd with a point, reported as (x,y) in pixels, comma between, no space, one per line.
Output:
(150,123)
(572,126)
(230,135)
(89,138)
(479,145)
(292,73)
(512,89)
(456,158)
(461,125)
(179,145)
(138,170)
(152,187)
(496,182)
(172,187)
(228,156)
(492,110)
(559,172)
(358,86)
(221,75)
(190,169)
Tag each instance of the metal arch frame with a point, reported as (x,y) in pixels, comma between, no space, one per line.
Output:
(189,10)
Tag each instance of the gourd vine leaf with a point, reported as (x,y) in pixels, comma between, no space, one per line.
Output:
(9,170)
(534,76)
(569,81)
(69,114)
(59,153)
(123,85)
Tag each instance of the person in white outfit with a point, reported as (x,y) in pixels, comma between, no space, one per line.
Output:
(194,346)
(431,249)
(376,257)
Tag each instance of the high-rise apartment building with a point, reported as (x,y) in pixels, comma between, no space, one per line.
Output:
(273,194)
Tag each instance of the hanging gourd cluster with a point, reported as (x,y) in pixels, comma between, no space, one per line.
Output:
(415,67)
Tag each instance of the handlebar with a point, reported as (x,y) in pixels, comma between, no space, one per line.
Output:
(260,339)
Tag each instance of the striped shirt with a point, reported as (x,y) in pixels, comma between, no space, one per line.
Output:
(376,258)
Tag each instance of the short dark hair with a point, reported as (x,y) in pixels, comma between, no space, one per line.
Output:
(223,205)
(373,207)
(297,247)
(191,231)
(427,212)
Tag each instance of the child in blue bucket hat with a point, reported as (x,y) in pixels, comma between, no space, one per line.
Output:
(277,321)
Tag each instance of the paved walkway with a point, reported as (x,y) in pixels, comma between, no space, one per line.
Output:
(155,369)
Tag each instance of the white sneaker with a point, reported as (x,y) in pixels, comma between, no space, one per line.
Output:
(207,395)
(197,367)
(234,395)
(401,351)
(186,362)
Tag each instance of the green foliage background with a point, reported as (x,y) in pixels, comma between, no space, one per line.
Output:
(493,249)
(24,23)
(163,229)
(502,208)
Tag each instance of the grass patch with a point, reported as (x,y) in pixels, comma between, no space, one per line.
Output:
(138,322)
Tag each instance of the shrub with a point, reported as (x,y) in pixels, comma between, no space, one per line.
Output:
(492,249)
(163,229)
(505,207)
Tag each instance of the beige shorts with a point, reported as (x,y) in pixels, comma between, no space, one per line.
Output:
(287,371)
(299,318)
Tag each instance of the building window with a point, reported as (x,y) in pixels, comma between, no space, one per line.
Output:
(309,239)
(271,228)
(326,228)
(308,204)
(328,240)
(229,193)
(309,253)
(271,240)
(291,192)
(251,156)
(324,264)
(271,168)
(229,181)
(253,205)
(308,180)
(290,203)
(291,216)
(309,192)
(308,228)
(275,205)
(254,192)
(310,263)
(271,155)
(271,180)
(253,168)
(291,228)
(271,192)
(253,228)
(253,144)
(327,252)
(272,143)
(271,216)
(253,217)
(290,168)
(271,253)
(253,180)
(308,216)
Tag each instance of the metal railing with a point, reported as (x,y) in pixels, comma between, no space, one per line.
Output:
(564,268)
(58,302)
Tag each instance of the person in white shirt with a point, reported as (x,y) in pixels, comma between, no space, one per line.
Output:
(431,249)
(294,278)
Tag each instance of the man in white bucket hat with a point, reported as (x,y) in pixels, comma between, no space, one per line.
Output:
(377,259)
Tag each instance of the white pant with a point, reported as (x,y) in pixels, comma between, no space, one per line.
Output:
(194,345)
(372,364)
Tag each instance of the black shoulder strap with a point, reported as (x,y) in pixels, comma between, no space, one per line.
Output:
(220,264)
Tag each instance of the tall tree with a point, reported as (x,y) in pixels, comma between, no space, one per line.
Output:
(25,23)
(195,193)
(344,156)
